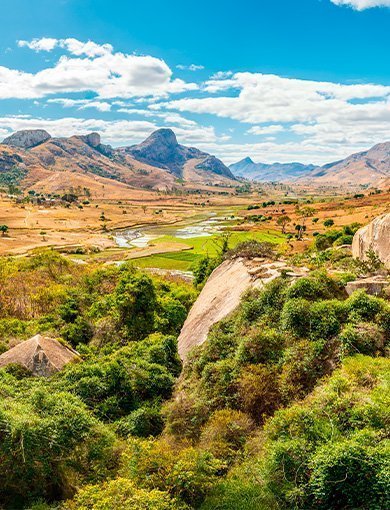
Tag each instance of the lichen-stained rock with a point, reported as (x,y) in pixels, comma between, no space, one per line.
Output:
(41,355)
(375,236)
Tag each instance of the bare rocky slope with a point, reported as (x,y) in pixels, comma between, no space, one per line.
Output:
(29,157)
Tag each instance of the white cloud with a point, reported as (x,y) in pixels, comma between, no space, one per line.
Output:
(43,44)
(82,104)
(115,132)
(191,67)
(324,115)
(266,130)
(74,46)
(221,75)
(92,67)
(361,5)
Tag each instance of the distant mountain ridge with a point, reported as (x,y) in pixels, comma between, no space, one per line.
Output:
(366,168)
(33,157)
(275,172)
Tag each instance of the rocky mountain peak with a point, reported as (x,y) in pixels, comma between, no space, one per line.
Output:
(92,139)
(27,138)
(162,136)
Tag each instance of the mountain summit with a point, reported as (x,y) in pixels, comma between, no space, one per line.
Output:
(27,138)
(161,149)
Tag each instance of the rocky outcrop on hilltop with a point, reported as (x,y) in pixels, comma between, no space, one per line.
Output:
(161,149)
(27,138)
(374,236)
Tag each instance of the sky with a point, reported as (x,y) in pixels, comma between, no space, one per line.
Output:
(275,80)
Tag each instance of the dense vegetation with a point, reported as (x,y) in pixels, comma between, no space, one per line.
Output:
(285,406)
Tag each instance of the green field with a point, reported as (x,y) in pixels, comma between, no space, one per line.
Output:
(201,246)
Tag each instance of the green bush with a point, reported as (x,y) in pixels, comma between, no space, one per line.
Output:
(350,474)
(362,338)
(124,495)
(42,435)
(295,317)
(325,317)
(363,307)
(145,421)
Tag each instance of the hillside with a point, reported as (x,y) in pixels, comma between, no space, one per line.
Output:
(276,172)
(285,395)
(371,167)
(367,168)
(32,158)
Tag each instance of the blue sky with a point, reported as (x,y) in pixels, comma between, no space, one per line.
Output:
(278,80)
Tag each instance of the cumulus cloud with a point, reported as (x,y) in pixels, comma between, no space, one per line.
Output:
(43,44)
(191,67)
(115,132)
(91,67)
(361,5)
(323,114)
(74,46)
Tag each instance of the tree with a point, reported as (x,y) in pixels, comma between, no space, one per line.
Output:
(4,229)
(283,221)
(328,223)
(304,213)
(135,299)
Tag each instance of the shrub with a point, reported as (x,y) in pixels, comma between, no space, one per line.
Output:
(143,422)
(225,433)
(350,475)
(186,474)
(363,307)
(219,383)
(252,249)
(261,346)
(41,438)
(135,299)
(258,391)
(295,317)
(362,338)
(325,318)
(122,494)
(316,287)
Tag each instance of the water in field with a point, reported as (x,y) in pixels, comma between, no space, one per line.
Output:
(141,237)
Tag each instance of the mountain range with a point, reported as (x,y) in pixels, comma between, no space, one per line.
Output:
(263,172)
(32,158)
(35,159)
(367,168)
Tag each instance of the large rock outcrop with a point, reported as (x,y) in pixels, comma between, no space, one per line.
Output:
(222,294)
(27,138)
(374,236)
(41,355)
